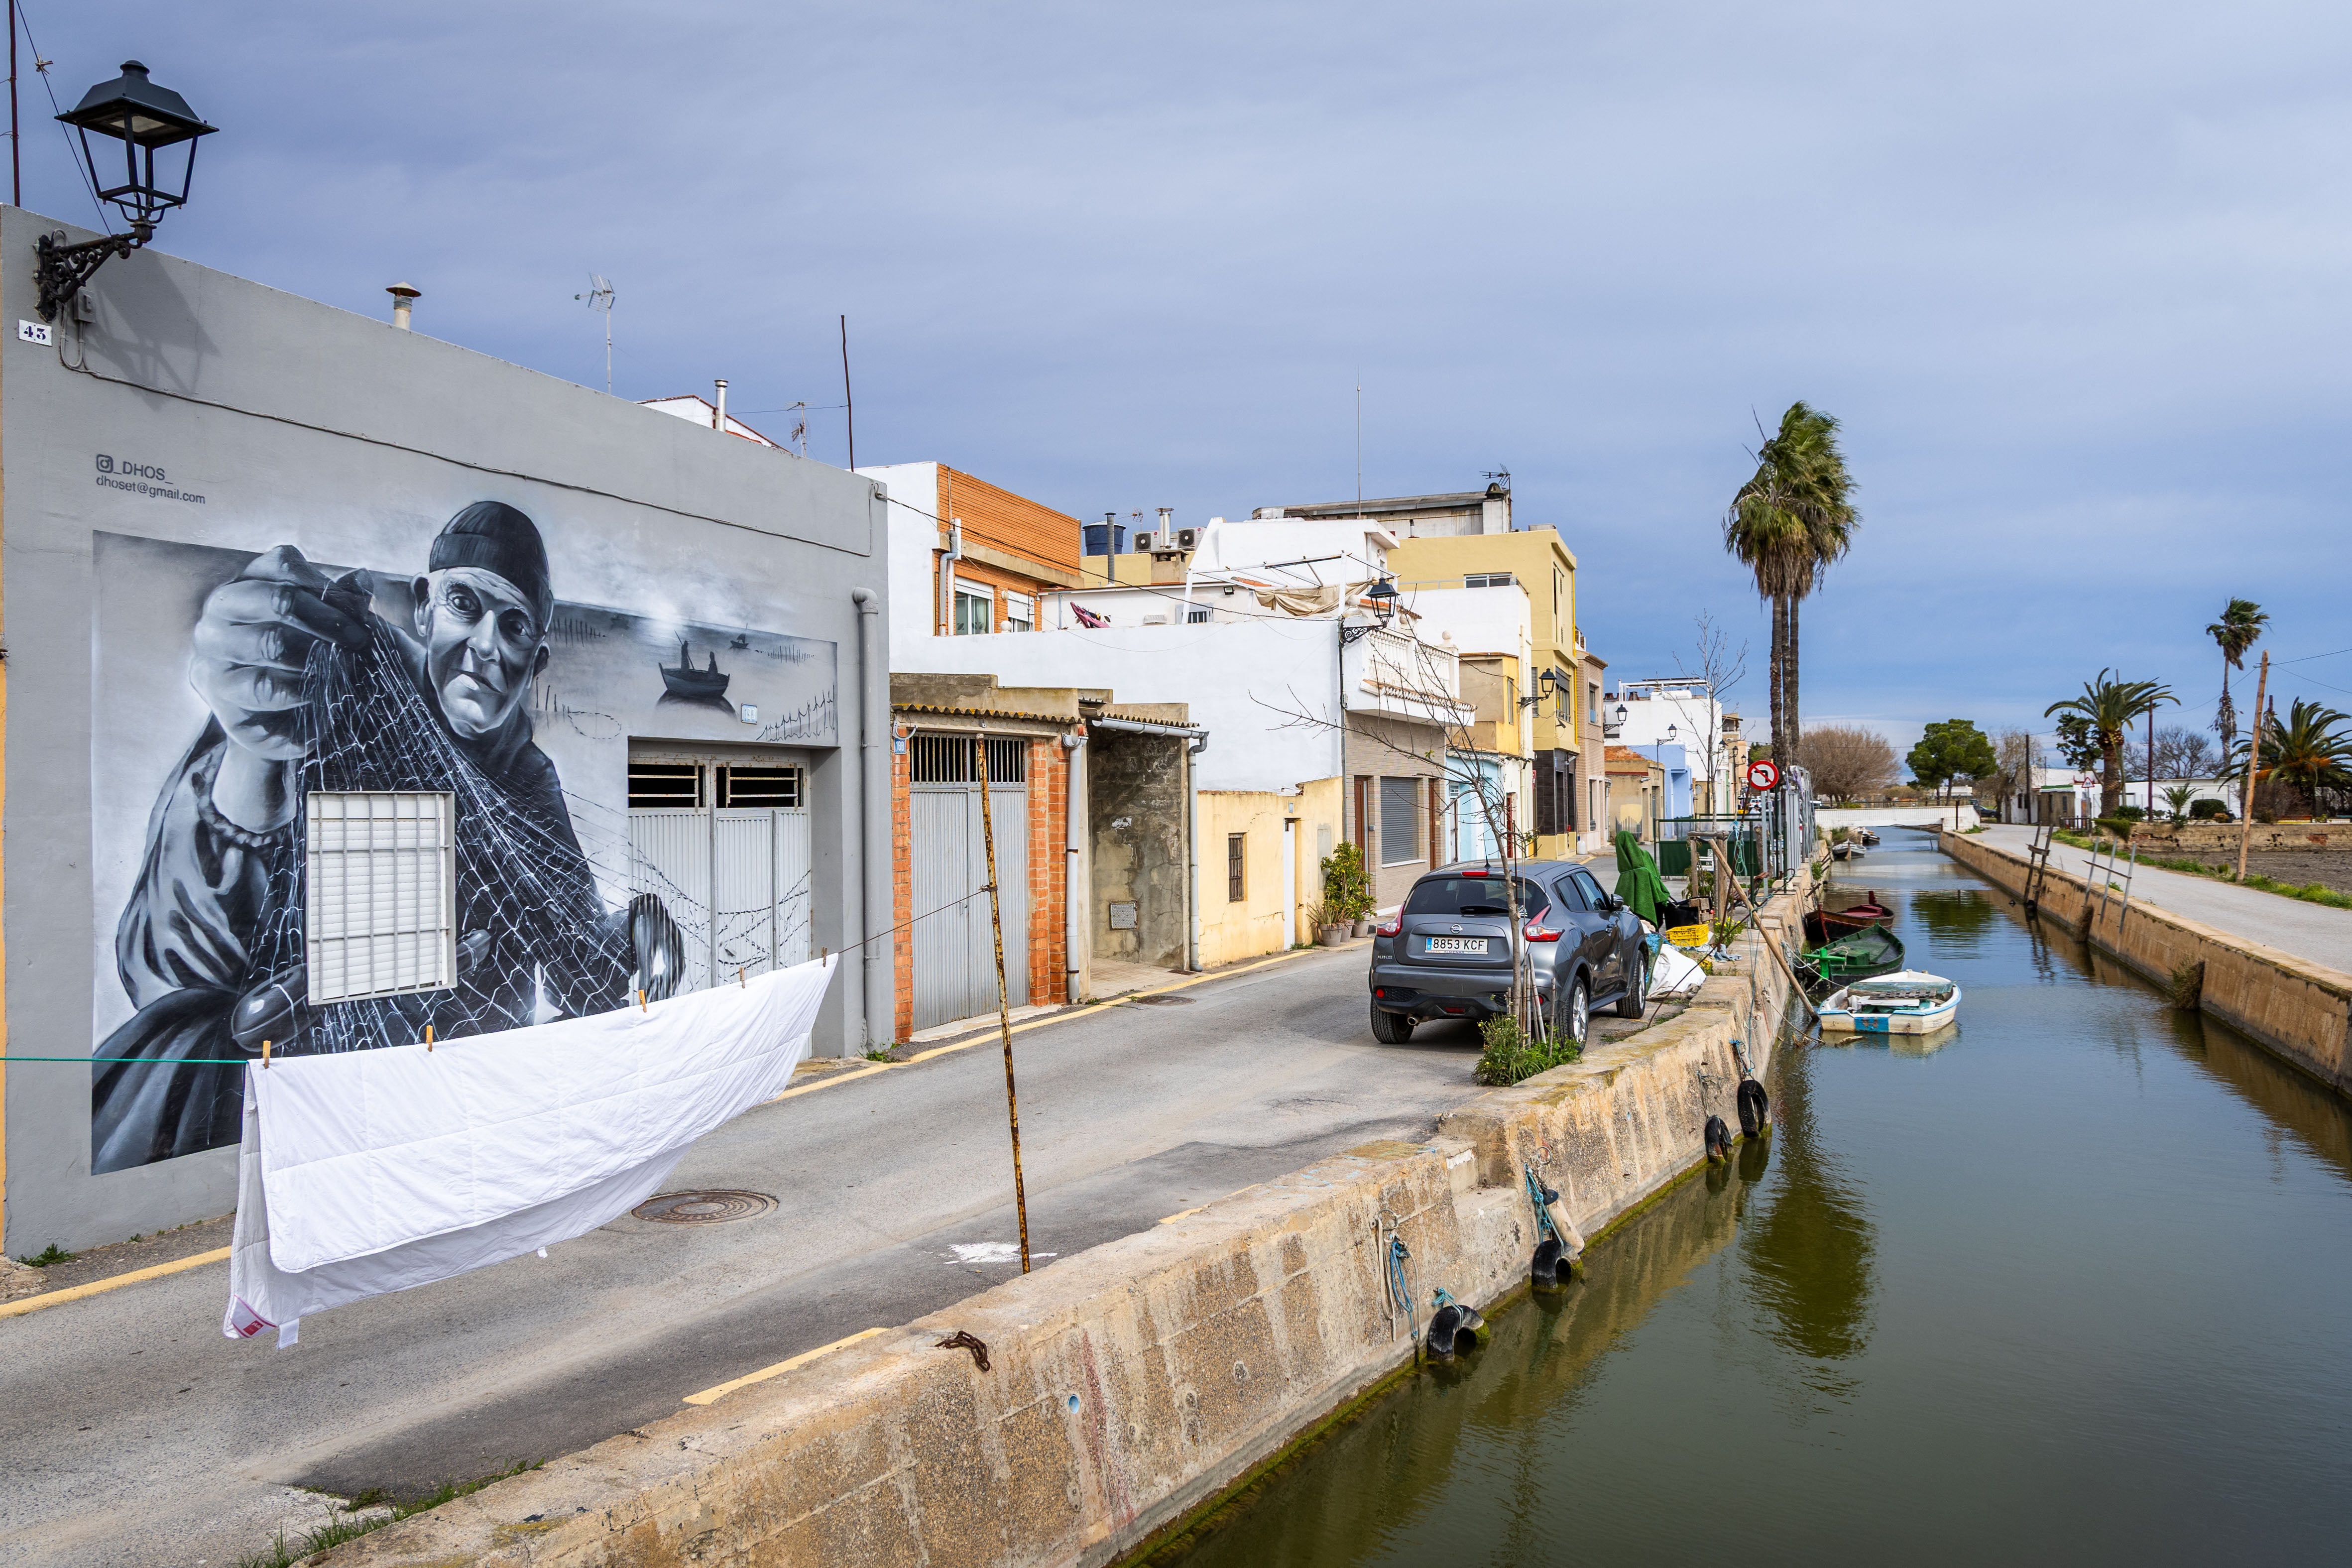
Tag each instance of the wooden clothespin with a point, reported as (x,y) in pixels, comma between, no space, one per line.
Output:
(641,998)
(741,981)
(265,1055)
(428,1038)
(823,953)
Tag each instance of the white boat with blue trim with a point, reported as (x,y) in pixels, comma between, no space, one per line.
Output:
(1908,1002)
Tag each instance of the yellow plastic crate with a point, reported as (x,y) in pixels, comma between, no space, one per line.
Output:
(1687,936)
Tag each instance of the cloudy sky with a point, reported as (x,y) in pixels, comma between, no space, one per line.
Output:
(2073,276)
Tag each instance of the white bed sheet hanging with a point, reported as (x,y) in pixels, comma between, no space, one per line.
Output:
(369,1171)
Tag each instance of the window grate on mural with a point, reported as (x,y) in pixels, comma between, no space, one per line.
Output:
(381,881)
(947,759)
(744,788)
(655,785)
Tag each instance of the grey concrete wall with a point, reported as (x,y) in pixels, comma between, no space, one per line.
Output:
(1137,831)
(1138,1381)
(298,424)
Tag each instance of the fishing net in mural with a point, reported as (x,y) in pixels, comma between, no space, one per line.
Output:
(533,938)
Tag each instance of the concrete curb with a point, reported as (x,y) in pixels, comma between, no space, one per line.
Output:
(1130,1385)
(2300,1010)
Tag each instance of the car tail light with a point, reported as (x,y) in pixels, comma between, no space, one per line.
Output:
(1541,932)
(1477,873)
(1390,926)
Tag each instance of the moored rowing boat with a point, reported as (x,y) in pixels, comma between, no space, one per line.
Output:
(1911,1002)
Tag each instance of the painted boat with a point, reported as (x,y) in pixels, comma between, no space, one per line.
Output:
(1857,955)
(1865,838)
(1842,850)
(1822,925)
(685,681)
(1909,1002)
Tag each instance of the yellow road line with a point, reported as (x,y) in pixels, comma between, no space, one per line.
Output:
(710,1395)
(1181,1214)
(97,1287)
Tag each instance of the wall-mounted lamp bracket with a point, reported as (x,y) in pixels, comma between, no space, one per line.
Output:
(64,269)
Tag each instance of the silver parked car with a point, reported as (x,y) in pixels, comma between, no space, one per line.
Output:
(1446,953)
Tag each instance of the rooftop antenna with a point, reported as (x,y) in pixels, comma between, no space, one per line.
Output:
(600,298)
(1360,440)
(800,423)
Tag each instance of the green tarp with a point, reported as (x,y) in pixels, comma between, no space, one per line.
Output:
(1638,882)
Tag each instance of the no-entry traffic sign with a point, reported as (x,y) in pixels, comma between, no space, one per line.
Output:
(1762,775)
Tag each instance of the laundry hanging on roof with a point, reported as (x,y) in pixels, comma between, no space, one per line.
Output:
(369,1171)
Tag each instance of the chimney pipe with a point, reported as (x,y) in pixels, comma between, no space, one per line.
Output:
(403,296)
(718,414)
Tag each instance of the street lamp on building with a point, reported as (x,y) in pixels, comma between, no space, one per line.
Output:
(145,120)
(1383,595)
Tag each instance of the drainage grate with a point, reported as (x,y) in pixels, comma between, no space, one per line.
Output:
(1160,1001)
(703,1208)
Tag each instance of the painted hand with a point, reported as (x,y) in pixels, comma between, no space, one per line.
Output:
(256,631)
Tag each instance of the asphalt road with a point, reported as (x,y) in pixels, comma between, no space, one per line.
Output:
(132,1432)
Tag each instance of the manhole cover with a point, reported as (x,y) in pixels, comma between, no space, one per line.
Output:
(1161,1001)
(703,1208)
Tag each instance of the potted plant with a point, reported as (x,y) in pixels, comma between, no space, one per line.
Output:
(1329,932)
(1347,891)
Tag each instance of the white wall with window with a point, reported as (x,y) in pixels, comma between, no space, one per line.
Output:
(1020,612)
(976,609)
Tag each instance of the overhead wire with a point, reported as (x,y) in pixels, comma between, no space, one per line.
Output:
(41,70)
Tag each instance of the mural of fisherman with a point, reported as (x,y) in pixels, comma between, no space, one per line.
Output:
(311,688)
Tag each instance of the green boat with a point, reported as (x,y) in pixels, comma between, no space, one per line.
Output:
(1857,955)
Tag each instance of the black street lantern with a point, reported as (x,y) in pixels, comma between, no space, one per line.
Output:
(145,119)
(1383,595)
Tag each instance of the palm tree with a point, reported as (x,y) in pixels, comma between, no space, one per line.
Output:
(2307,752)
(2241,624)
(1793,517)
(2107,706)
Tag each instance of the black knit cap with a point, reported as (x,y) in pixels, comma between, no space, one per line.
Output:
(495,537)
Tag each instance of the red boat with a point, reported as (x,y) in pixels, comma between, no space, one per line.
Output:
(1826,925)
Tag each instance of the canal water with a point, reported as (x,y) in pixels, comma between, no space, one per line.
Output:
(2073,1284)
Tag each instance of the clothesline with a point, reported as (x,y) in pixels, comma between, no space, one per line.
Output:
(240,1062)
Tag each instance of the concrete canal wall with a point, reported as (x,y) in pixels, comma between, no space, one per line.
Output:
(1130,1385)
(2297,1009)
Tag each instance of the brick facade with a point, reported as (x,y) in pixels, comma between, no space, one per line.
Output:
(1043,899)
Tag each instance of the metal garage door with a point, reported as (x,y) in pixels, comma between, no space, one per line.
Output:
(749,858)
(954,951)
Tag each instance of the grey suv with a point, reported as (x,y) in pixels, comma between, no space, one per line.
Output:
(1446,953)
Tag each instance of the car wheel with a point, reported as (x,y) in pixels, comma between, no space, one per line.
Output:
(1391,1028)
(1575,1012)
(1636,995)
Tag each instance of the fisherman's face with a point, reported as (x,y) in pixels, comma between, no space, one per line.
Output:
(483,642)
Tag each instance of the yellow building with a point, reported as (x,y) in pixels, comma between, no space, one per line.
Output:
(1261,868)
(1537,560)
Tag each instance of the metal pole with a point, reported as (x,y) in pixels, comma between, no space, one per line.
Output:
(849,402)
(16,158)
(1003,1006)
(2253,750)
